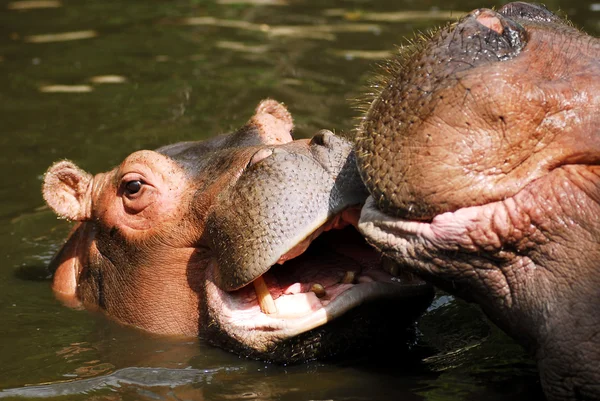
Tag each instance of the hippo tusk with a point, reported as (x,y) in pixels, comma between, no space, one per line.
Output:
(348,278)
(265,300)
(319,290)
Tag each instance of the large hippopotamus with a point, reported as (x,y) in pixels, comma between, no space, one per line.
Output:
(482,156)
(189,239)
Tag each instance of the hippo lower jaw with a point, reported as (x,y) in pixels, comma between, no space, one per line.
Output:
(311,286)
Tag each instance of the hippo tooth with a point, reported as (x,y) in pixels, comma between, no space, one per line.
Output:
(348,277)
(265,300)
(319,290)
(390,266)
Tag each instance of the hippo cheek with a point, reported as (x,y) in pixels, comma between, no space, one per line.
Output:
(288,258)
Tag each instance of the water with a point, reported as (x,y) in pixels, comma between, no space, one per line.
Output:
(123,76)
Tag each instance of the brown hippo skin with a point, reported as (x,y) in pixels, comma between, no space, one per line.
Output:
(181,240)
(482,157)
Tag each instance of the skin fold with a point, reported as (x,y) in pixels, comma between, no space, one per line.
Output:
(482,157)
(177,241)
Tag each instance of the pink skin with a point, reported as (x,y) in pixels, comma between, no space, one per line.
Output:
(146,217)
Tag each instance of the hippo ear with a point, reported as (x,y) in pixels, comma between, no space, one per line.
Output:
(273,122)
(67,190)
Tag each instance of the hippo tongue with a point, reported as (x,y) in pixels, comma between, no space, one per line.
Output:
(333,264)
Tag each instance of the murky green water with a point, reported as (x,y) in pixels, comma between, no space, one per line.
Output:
(183,70)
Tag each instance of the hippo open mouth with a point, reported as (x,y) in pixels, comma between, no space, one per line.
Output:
(330,272)
(281,269)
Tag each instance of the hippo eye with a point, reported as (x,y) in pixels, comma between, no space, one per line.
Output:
(133,187)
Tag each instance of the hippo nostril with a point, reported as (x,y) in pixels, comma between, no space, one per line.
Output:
(260,155)
(532,12)
(490,20)
(323,138)
(493,34)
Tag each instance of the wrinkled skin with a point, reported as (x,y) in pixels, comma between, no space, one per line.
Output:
(174,241)
(482,156)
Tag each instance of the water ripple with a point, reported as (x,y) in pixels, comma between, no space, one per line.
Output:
(146,377)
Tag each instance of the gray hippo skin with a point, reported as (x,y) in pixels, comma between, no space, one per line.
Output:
(181,241)
(482,157)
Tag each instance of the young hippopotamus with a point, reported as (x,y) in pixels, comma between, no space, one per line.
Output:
(188,240)
(482,157)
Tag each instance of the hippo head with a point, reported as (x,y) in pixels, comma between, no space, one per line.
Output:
(482,157)
(192,238)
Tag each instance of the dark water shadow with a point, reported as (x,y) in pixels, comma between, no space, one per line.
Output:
(33,273)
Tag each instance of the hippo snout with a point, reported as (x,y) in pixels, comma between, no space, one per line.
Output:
(481,155)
